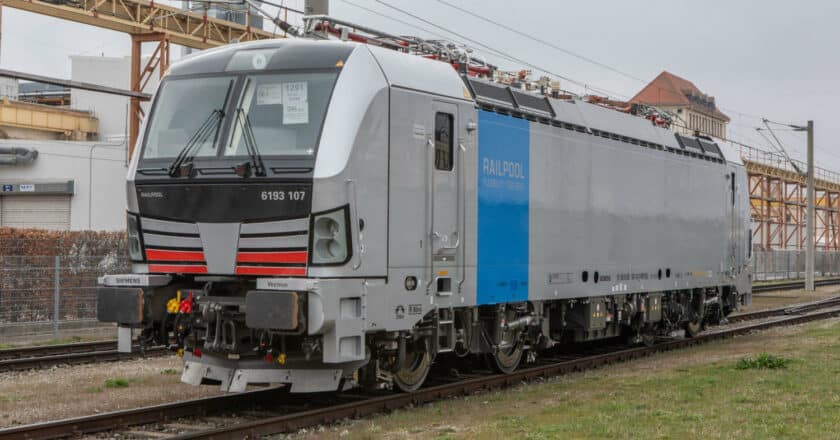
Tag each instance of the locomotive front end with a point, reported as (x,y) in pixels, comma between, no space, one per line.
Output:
(256,200)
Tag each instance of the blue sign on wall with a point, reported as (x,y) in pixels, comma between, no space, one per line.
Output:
(8,188)
(503,192)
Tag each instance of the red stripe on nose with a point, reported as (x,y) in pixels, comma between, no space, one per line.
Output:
(262,270)
(167,255)
(271,257)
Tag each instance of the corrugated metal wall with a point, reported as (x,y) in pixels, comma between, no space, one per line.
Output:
(36,211)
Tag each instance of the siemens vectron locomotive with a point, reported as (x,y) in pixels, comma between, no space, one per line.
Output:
(332,214)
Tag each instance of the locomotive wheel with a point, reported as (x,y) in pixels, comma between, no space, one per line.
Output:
(412,374)
(695,326)
(506,360)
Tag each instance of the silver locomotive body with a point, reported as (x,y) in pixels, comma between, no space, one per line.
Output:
(346,213)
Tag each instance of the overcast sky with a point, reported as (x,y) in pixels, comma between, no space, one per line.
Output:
(772,58)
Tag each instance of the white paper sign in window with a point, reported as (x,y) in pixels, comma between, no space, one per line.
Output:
(269,94)
(295,103)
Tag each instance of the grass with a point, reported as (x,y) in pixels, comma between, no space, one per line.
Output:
(116,383)
(169,371)
(5,346)
(731,389)
(93,389)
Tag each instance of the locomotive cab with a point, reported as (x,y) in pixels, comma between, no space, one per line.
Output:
(259,182)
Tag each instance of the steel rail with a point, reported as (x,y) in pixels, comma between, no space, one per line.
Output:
(54,350)
(76,358)
(792,285)
(138,416)
(786,310)
(362,407)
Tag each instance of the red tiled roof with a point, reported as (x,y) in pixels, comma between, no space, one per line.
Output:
(671,90)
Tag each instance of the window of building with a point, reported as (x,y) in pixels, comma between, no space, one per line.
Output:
(443,141)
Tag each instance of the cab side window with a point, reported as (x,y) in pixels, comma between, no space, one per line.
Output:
(443,141)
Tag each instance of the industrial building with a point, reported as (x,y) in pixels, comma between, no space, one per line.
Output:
(62,185)
(62,151)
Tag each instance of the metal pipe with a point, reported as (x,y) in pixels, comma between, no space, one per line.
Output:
(17,155)
(74,84)
(809,215)
(519,323)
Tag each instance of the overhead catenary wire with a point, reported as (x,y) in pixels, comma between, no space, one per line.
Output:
(539,40)
(606,66)
(500,53)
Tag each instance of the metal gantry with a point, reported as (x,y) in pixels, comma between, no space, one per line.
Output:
(778,203)
(147,22)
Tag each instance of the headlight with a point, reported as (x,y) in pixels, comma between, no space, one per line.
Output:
(330,237)
(135,243)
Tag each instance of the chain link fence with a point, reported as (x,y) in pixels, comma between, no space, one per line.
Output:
(48,280)
(787,265)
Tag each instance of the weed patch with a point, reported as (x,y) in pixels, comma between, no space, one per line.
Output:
(116,383)
(763,361)
(169,371)
(93,389)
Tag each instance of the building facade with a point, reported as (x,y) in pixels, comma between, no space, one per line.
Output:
(64,186)
(111,110)
(695,111)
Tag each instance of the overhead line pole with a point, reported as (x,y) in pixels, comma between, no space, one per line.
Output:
(809,216)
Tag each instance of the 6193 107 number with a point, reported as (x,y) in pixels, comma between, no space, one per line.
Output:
(279,196)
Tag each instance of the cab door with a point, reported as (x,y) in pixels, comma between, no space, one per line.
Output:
(444,157)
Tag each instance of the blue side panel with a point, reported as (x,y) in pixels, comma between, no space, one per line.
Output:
(503,188)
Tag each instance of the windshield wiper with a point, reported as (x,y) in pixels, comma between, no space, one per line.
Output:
(186,155)
(250,143)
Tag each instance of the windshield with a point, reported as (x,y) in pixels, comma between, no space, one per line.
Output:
(284,111)
(181,109)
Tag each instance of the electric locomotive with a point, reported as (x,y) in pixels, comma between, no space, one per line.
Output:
(328,214)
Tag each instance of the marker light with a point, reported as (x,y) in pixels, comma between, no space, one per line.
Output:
(135,245)
(330,238)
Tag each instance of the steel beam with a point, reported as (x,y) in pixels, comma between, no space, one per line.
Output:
(158,61)
(185,28)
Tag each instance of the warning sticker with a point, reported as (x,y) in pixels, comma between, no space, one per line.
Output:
(269,94)
(295,103)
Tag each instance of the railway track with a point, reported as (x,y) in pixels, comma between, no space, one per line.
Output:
(793,285)
(782,311)
(271,411)
(30,358)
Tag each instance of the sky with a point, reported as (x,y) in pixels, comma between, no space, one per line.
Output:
(774,59)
